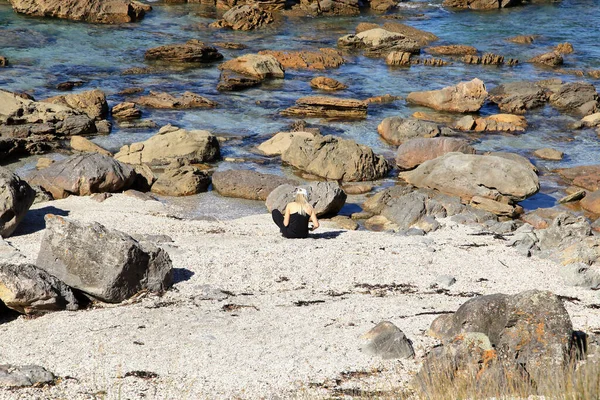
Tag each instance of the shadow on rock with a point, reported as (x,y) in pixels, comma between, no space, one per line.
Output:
(34,220)
(182,275)
(326,235)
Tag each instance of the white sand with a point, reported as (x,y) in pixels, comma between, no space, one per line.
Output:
(272,348)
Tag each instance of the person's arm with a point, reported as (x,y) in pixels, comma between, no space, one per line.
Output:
(286,218)
(314,220)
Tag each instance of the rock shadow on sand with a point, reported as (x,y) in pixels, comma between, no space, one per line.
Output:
(181,275)
(325,235)
(34,220)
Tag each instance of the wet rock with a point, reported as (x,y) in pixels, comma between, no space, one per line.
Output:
(104,263)
(564,48)
(138,124)
(30,290)
(591,121)
(245,17)
(165,100)
(330,7)
(576,97)
(126,111)
(398,58)
(397,130)
(518,97)
(464,97)
(169,144)
(379,223)
(480,4)
(270,5)
(24,118)
(335,158)
(82,175)
(591,202)
(181,181)
(103,127)
(357,188)
(12,376)
(594,73)
(327,198)
(92,102)
(468,175)
(344,222)
(93,11)
(229,81)
(586,176)
(452,50)
(325,58)
(16,196)
(327,107)
(3,62)
(328,84)
(523,39)
(420,36)
(247,184)
(255,65)
(231,45)
(379,42)
(382,5)
(431,62)
(69,85)
(493,123)
(551,59)
(565,230)
(387,341)
(193,51)
(416,151)
(383,99)
(549,154)
(279,143)
(79,143)
(489,59)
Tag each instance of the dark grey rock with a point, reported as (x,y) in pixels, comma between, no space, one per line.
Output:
(388,341)
(576,97)
(565,230)
(106,264)
(16,196)
(518,97)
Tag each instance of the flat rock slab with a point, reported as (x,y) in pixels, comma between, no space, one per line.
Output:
(246,184)
(93,11)
(463,97)
(328,107)
(165,100)
(325,58)
(193,51)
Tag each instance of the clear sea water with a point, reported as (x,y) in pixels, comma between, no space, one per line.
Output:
(45,52)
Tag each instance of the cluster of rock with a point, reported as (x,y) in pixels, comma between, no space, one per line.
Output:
(245,17)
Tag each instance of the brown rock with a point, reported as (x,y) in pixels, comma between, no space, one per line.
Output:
(401,58)
(325,83)
(493,123)
(126,111)
(397,130)
(551,59)
(564,48)
(333,7)
(379,42)
(523,39)
(270,5)
(327,107)
(379,223)
(94,11)
(591,202)
(92,102)
(464,97)
(541,218)
(357,188)
(594,73)
(344,222)
(429,61)
(193,51)
(3,61)
(166,100)
(43,162)
(452,50)
(575,196)
(549,154)
(245,17)
(480,4)
(181,181)
(324,58)
(84,145)
(247,184)
(587,176)
(383,99)
(279,143)
(416,151)
(255,65)
(422,37)
(496,207)
(230,81)
(231,45)
(488,59)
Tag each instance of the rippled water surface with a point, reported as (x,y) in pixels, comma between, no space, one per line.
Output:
(45,52)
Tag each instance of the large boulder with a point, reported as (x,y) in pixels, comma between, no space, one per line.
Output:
(327,198)
(468,175)
(416,151)
(279,143)
(550,59)
(327,107)
(91,102)
(463,97)
(169,144)
(335,158)
(255,65)
(531,329)
(247,184)
(325,58)
(30,290)
(184,180)
(94,11)
(480,4)
(192,51)
(104,263)
(397,130)
(16,196)
(22,118)
(576,97)
(245,17)
(82,175)
(518,97)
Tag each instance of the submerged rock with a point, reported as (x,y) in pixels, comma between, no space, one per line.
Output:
(83,175)
(328,84)
(452,50)
(463,97)
(94,11)
(325,58)
(335,158)
(247,184)
(16,196)
(104,263)
(327,198)
(481,4)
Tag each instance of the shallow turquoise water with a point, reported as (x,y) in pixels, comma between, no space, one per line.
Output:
(45,52)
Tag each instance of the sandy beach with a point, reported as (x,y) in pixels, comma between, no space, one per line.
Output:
(254,315)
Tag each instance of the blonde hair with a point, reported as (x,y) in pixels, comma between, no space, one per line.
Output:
(303,201)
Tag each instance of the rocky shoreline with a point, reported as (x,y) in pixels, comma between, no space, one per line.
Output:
(93,233)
